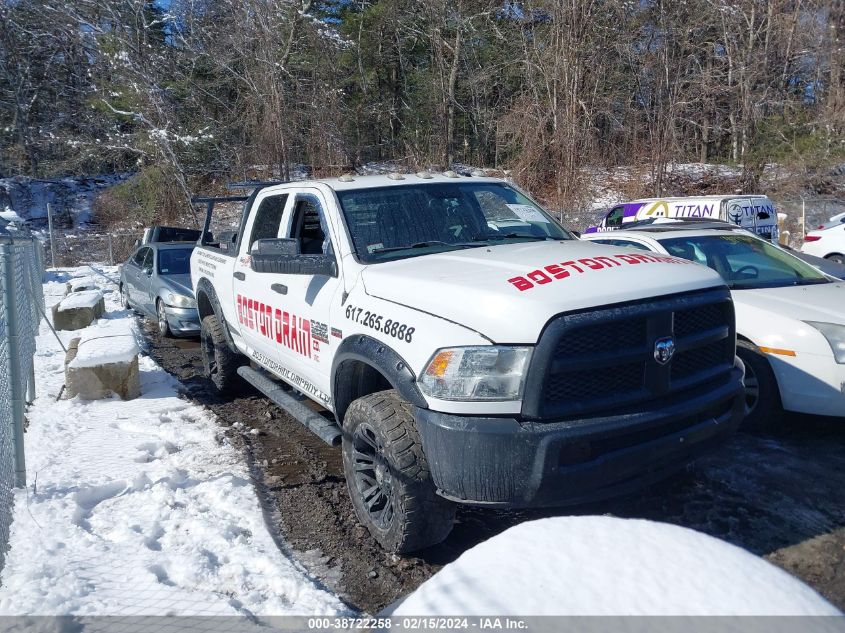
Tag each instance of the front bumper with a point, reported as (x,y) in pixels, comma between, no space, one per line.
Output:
(810,383)
(183,321)
(506,462)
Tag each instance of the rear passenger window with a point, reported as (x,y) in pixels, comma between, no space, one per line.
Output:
(138,258)
(268,218)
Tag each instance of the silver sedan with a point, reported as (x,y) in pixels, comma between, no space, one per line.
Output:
(156,281)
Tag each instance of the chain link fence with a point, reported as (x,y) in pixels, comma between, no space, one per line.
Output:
(21,307)
(91,248)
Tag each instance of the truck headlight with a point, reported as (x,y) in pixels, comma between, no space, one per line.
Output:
(180,301)
(476,373)
(835,335)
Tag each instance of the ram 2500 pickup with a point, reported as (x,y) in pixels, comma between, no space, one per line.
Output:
(463,347)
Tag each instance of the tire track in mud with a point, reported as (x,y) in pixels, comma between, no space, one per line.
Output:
(781,496)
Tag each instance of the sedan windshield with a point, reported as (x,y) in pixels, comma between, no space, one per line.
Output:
(397,222)
(174,261)
(745,261)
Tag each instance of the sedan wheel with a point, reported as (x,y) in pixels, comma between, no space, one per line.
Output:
(163,325)
(836,257)
(762,395)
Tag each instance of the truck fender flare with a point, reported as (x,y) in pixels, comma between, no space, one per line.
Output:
(380,357)
(207,303)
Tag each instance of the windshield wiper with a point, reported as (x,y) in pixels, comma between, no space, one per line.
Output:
(423,245)
(495,238)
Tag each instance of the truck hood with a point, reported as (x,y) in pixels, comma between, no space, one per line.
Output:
(471,287)
(822,302)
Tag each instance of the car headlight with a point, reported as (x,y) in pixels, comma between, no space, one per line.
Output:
(180,301)
(835,335)
(476,373)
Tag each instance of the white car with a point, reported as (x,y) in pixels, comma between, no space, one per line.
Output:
(827,242)
(790,317)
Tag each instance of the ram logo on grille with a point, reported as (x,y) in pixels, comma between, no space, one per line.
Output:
(664,350)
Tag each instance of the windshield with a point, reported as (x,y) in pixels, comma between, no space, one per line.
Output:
(745,261)
(405,221)
(176,261)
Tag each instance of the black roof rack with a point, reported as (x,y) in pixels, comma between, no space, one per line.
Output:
(213,199)
(255,184)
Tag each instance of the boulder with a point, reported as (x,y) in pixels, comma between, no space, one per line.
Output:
(103,362)
(78,310)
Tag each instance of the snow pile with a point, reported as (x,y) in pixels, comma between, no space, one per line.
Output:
(83,283)
(104,343)
(608,566)
(82,299)
(139,507)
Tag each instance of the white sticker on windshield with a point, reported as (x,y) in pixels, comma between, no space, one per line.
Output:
(528,213)
(375,247)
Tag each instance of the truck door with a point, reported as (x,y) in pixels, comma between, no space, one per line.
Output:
(251,290)
(305,301)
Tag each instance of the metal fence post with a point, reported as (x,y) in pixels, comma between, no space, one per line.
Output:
(16,380)
(50,230)
(111,252)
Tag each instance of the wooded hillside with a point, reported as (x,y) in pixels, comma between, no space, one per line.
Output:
(180,89)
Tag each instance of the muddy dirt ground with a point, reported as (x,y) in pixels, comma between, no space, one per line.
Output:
(779,496)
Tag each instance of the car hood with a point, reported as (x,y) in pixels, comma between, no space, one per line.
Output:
(822,302)
(479,288)
(180,284)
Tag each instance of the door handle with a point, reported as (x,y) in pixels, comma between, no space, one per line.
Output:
(280,288)
(239,276)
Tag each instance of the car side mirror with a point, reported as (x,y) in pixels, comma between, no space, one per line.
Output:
(324,265)
(275,246)
(147,271)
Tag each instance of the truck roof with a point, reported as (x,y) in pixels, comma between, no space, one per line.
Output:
(345,183)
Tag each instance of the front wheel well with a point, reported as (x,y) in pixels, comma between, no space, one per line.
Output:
(204,305)
(355,379)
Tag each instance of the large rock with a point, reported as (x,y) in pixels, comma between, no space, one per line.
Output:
(103,362)
(78,310)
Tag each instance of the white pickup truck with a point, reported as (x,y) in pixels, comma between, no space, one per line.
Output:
(464,347)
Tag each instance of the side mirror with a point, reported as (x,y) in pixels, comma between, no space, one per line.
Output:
(324,265)
(147,271)
(275,246)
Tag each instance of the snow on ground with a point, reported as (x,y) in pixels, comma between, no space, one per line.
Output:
(140,507)
(596,565)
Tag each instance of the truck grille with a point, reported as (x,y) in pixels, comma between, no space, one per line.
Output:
(603,361)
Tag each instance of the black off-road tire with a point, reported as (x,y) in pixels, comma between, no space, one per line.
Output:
(220,364)
(766,412)
(380,428)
